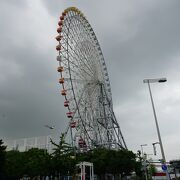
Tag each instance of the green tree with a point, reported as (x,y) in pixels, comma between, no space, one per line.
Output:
(62,160)
(2,158)
(62,148)
(99,159)
(152,169)
(34,162)
(15,164)
(138,167)
(125,162)
(105,161)
(37,162)
(111,161)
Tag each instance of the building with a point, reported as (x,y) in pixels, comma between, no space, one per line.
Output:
(175,164)
(24,144)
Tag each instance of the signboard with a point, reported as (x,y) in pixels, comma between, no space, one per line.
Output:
(164,167)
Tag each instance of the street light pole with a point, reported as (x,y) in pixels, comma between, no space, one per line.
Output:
(144,161)
(157,126)
(154,147)
(148,81)
(142,148)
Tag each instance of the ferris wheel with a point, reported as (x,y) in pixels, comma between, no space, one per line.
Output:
(85,85)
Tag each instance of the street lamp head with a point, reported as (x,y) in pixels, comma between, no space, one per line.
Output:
(143,144)
(160,80)
(155,143)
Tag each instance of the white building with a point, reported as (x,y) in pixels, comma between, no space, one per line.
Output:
(24,144)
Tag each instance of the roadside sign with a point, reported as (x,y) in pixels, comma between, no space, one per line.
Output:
(164,167)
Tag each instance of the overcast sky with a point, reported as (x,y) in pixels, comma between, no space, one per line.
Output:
(139,39)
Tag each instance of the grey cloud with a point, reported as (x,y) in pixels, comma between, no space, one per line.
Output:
(18,4)
(148,53)
(139,40)
(31,99)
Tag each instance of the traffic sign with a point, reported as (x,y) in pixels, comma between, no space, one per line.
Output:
(164,167)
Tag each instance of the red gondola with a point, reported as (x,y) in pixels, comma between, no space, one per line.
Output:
(73,124)
(59,29)
(63,92)
(61,80)
(69,114)
(63,13)
(81,142)
(58,38)
(66,103)
(60,23)
(58,47)
(60,69)
(61,18)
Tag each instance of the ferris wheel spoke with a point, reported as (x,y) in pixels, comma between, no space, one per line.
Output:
(78,58)
(85,27)
(73,63)
(76,42)
(83,65)
(77,76)
(80,72)
(85,58)
(71,33)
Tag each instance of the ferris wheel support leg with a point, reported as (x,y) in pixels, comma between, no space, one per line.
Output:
(120,133)
(72,142)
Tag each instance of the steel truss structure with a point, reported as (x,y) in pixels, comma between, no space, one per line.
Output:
(85,85)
